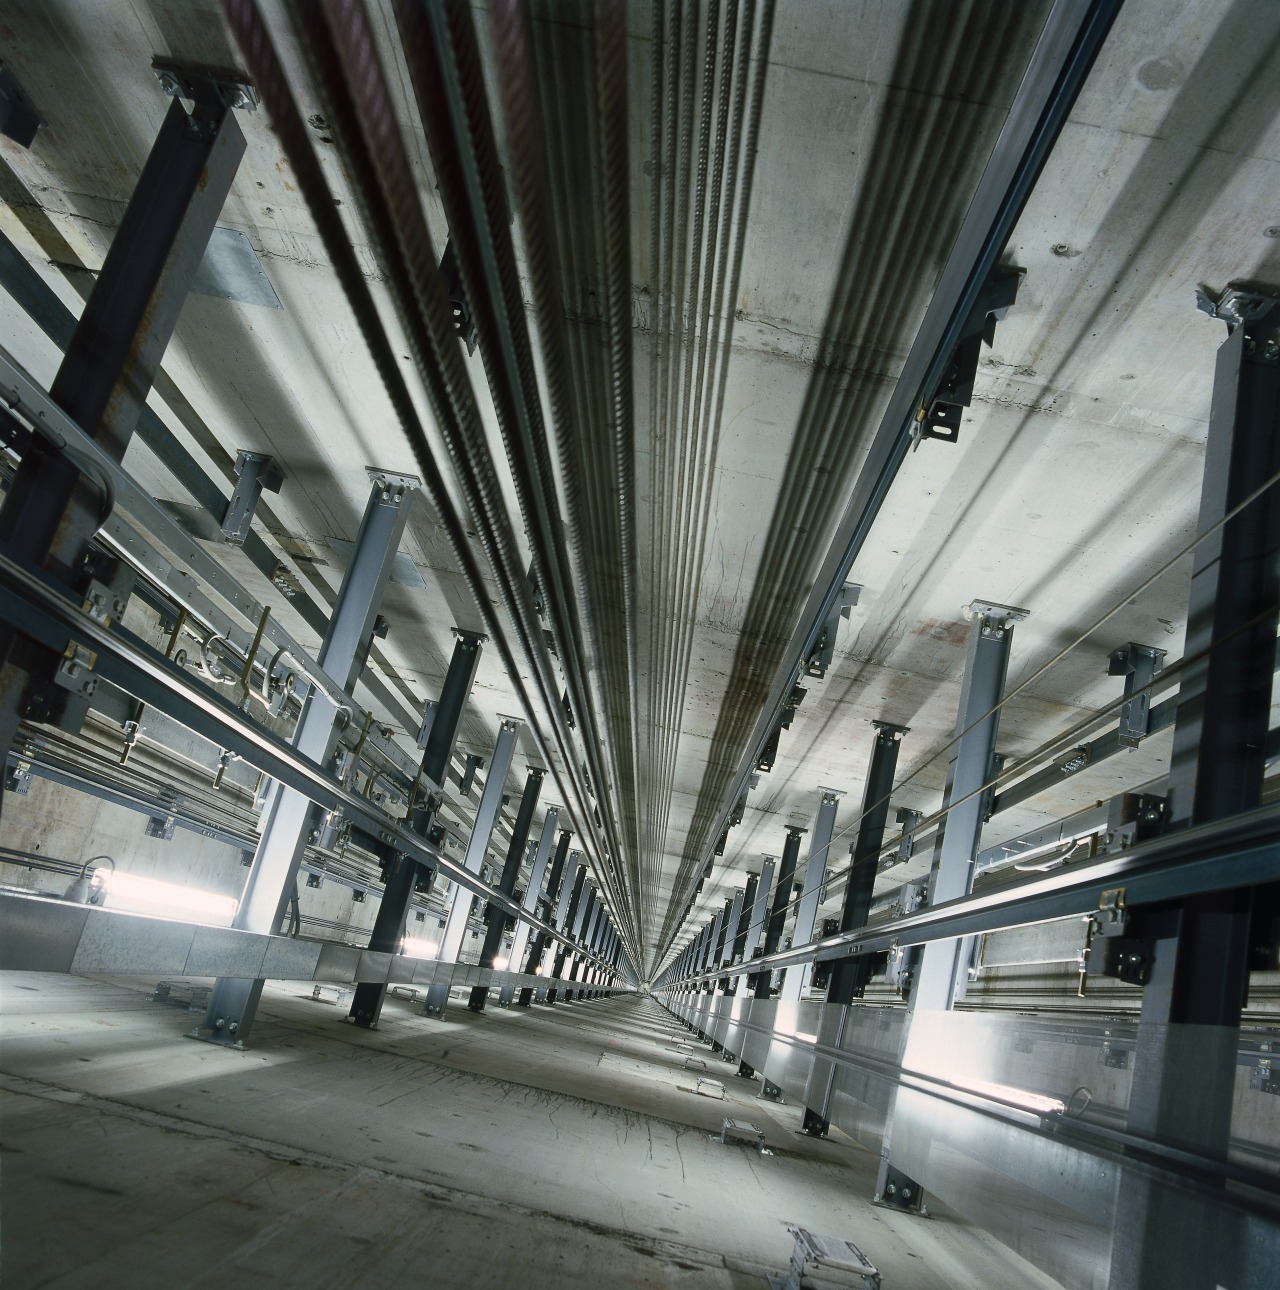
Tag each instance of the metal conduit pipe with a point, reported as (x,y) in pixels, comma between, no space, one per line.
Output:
(525,126)
(1069,43)
(260,54)
(683,473)
(564,170)
(444,65)
(365,128)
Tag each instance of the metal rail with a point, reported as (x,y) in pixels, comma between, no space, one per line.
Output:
(1241,852)
(1072,37)
(34,605)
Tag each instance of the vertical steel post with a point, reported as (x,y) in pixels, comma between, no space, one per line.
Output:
(289,818)
(743,923)
(582,918)
(759,912)
(778,913)
(972,761)
(529,905)
(731,936)
(814,876)
(403,872)
(455,927)
(849,976)
(564,917)
(49,513)
(496,918)
(711,950)
(1185,1065)
(960,834)
(556,889)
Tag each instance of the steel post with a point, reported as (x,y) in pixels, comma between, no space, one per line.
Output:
(49,512)
(959,834)
(731,936)
(1185,1066)
(455,927)
(745,911)
(814,877)
(778,913)
(403,873)
(529,904)
(849,976)
(290,817)
(565,915)
(759,911)
(555,888)
(494,916)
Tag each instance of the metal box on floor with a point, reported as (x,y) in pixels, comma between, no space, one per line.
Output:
(829,1263)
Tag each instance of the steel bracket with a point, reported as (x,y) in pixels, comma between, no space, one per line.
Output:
(256,473)
(19,119)
(939,414)
(1238,304)
(824,647)
(1138,664)
(395,486)
(212,91)
(162,826)
(902,1193)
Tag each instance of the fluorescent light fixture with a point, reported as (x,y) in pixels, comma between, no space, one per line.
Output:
(415,947)
(1037,1103)
(135,895)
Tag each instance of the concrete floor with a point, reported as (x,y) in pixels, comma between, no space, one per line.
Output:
(560,1147)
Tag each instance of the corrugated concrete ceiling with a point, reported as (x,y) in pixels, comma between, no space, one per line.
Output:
(788,220)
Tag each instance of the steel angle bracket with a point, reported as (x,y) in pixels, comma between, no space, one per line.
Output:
(824,648)
(939,415)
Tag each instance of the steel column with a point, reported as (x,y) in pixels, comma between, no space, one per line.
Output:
(781,900)
(759,911)
(731,936)
(565,915)
(529,904)
(496,918)
(403,873)
(1184,1071)
(533,966)
(49,512)
(814,876)
(849,976)
(959,834)
(289,817)
(743,924)
(455,927)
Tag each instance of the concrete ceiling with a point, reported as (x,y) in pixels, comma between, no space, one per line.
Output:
(1077,471)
